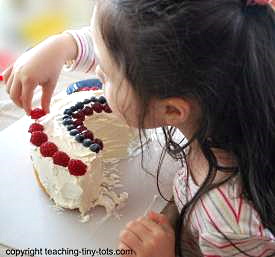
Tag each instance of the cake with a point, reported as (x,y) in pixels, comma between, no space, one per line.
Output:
(69,148)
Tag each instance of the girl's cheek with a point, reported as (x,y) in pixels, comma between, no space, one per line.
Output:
(122,102)
(108,94)
(111,99)
(125,107)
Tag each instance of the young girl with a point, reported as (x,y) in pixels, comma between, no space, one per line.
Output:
(205,67)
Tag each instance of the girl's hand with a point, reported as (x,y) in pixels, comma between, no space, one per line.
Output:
(39,66)
(150,236)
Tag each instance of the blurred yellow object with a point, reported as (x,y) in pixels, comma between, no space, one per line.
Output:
(42,26)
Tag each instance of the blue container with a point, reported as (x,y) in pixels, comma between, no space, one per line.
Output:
(88,83)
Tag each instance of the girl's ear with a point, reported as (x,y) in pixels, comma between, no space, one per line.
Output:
(175,111)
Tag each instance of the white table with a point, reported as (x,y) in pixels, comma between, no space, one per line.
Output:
(28,218)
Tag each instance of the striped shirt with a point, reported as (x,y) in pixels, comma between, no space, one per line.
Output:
(86,59)
(223,210)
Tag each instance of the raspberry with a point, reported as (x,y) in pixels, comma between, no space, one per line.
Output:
(107,108)
(79,115)
(37,113)
(77,167)
(87,134)
(97,107)
(99,142)
(61,159)
(88,111)
(48,149)
(35,127)
(38,138)
(78,122)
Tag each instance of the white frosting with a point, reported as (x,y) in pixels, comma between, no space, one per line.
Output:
(96,186)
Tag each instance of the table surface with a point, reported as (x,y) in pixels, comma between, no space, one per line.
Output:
(29,219)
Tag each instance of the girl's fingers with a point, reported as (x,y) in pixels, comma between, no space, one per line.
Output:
(47,92)
(28,87)
(15,92)
(9,83)
(151,225)
(131,240)
(142,232)
(6,73)
(162,220)
(125,250)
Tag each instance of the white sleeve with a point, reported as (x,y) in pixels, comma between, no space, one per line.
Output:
(85,60)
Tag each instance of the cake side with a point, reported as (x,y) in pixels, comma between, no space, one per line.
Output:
(85,191)
(68,191)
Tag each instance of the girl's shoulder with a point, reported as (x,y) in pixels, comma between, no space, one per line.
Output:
(223,206)
(223,212)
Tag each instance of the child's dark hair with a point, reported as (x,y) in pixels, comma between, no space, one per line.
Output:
(220,53)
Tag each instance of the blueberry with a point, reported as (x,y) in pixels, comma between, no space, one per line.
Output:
(70,127)
(79,138)
(73,108)
(87,142)
(66,116)
(74,132)
(94,148)
(94,99)
(87,101)
(79,105)
(102,99)
(67,122)
(68,112)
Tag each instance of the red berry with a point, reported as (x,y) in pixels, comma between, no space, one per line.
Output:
(35,127)
(78,122)
(88,134)
(88,111)
(107,108)
(1,78)
(61,159)
(97,107)
(81,128)
(48,149)
(38,138)
(94,88)
(79,115)
(37,113)
(99,142)
(77,167)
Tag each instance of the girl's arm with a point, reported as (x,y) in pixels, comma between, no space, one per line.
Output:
(42,65)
